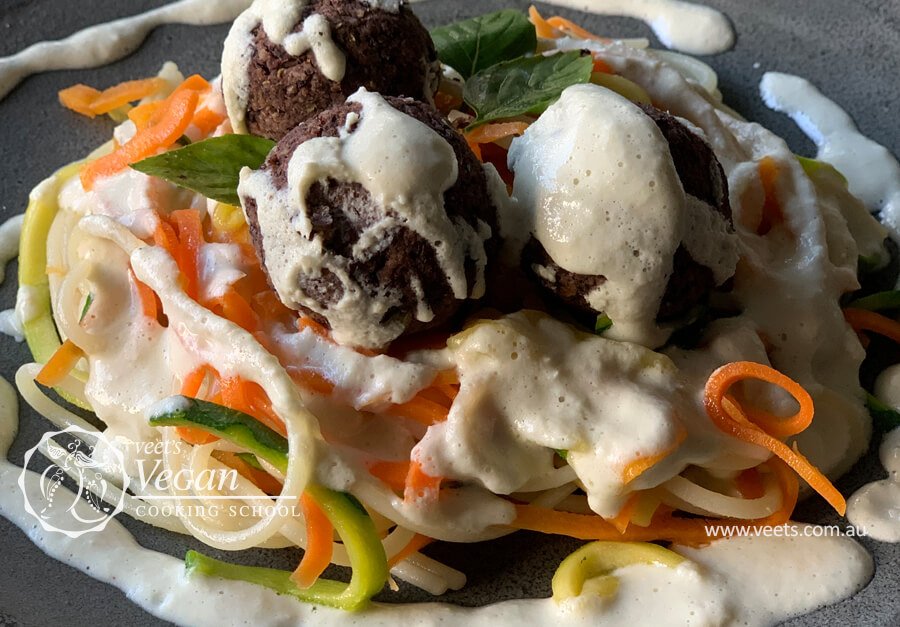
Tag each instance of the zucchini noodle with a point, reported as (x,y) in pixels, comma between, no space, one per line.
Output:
(46,407)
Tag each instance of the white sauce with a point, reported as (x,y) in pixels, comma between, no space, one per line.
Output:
(108,42)
(685,26)
(599,189)
(362,382)
(9,241)
(391,6)
(406,167)
(316,36)
(531,384)
(876,506)
(872,171)
(29,303)
(130,197)
(220,268)
(10,325)
(277,18)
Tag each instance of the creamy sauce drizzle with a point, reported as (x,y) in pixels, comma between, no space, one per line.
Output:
(9,242)
(520,369)
(872,171)
(105,43)
(876,506)
(684,26)
(9,247)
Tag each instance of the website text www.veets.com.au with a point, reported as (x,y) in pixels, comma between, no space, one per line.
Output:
(783,531)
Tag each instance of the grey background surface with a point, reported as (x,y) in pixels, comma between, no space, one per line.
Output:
(849,49)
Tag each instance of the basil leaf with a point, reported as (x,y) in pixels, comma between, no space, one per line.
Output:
(210,167)
(478,43)
(524,85)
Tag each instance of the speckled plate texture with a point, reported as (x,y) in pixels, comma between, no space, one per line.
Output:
(849,49)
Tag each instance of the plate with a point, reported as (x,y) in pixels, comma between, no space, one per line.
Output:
(849,50)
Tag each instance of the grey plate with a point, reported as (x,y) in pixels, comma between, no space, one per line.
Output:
(850,50)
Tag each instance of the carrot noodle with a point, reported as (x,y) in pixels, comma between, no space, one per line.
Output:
(392,474)
(79,98)
(158,135)
(488,133)
(420,485)
(147,296)
(319,546)
(602,66)
(194,381)
(772,212)
(865,320)
(421,409)
(193,435)
(232,306)
(250,398)
(261,479)
(305,322)
(124,93)
(541,27)
(206,120)
(190,239)
(571,28)
(164,237)
(60,364)
(417,543)
(636,468)
(446,377)
(749,484)
(623,518)
(727,414)
(313,381)
(142,114)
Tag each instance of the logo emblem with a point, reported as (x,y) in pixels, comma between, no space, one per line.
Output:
(98,486)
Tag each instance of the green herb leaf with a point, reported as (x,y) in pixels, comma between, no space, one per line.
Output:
(886,418)
(525,85)
(473,45)
(602,324)
(210,167)
(87,305)
(563,453)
